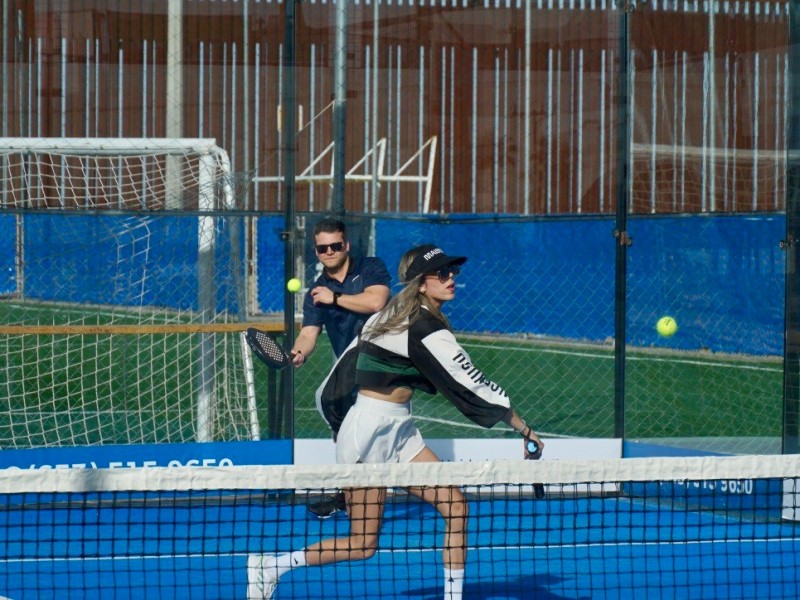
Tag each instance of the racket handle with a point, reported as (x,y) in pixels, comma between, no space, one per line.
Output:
(538,488)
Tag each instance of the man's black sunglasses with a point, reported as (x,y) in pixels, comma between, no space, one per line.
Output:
(444,273)
(335,246)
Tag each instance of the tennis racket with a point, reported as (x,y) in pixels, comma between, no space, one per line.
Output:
(538,488)
(268,351)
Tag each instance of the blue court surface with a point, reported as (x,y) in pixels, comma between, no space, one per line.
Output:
(612,547)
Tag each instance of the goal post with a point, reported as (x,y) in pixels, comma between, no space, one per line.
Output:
(116,238)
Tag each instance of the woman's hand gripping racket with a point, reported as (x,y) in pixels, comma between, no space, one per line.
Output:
(266,348)
(533,452)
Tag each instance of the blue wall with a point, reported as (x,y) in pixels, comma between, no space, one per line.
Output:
(721,277)
(533,265)
(270,263)
(83,252)
(8,237)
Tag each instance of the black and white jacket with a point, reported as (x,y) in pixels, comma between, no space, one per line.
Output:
(427,357)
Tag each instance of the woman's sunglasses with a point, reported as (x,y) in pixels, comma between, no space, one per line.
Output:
(444,273)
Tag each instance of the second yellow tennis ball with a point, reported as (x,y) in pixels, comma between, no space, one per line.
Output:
(666,327)
(294,285)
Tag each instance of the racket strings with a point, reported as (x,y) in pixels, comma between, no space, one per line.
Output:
(270,347)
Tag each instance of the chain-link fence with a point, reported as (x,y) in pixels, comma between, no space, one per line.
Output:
(535,308)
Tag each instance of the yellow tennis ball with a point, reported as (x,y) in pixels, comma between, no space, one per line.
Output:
(294,285)
(666,327)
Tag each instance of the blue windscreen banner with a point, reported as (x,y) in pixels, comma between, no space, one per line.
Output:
(207,454)
(707,269)
(8,253)
(710,266)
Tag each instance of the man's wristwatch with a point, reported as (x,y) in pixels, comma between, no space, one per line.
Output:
(336,298)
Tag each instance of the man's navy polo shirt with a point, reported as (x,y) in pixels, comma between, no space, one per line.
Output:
(341,324)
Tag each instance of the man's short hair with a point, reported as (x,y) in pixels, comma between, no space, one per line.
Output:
(330,225)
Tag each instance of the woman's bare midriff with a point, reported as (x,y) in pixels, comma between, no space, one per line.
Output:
(398,395)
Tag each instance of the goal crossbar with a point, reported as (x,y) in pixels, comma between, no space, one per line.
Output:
(97,146)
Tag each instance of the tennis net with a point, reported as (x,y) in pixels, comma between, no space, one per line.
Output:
(711,527)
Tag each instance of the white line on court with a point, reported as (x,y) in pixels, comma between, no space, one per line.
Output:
(610,356)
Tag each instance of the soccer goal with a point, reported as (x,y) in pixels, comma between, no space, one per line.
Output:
(678,178)
(121,302)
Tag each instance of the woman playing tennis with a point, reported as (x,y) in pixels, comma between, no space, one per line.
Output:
(406,346)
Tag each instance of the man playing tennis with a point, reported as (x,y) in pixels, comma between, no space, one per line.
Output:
(406,346)
(347,292)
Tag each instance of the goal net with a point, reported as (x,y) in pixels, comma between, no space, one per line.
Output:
(675,178)
(120,299)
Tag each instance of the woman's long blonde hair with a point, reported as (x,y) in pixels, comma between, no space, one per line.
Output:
(403,309)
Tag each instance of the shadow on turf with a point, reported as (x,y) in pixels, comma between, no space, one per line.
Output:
(515,589)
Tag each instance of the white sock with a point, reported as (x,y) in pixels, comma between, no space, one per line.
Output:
(453,583)
(286,562)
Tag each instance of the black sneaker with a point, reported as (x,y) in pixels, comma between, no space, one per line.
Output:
(328,506)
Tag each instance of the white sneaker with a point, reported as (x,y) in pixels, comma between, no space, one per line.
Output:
(261,580)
